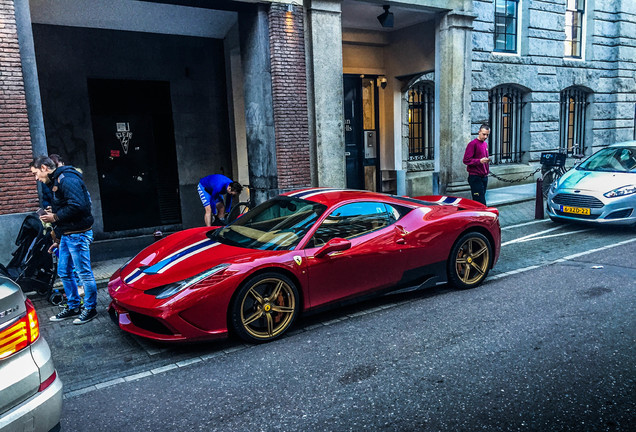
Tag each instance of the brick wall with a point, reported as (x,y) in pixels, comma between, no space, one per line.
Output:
(289,88)
(18,191)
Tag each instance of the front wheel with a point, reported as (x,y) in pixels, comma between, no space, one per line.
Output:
(470,260)
(264,307)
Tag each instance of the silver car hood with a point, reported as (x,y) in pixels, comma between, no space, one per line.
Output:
(599,181)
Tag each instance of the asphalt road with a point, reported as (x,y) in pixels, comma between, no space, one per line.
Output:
(546,344)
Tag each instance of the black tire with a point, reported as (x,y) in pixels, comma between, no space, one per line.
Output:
(237,211)
(264,307)
(470,261)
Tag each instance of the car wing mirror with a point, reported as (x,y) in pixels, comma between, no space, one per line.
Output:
(333,245)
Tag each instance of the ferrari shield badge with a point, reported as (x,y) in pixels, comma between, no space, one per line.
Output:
(298,259)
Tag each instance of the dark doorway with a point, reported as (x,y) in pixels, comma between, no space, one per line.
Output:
(361,131)
(135,153)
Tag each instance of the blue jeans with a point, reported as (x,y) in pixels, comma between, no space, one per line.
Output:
(75,253)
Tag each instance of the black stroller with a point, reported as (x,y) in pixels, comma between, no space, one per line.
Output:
(32,266)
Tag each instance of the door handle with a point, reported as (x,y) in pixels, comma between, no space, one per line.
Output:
(401,241)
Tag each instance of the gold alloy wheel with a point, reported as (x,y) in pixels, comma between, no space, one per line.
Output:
(472,260)
(268,308)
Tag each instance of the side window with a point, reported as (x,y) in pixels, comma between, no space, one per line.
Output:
(353,220)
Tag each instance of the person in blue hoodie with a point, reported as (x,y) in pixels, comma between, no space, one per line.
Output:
(216,192)
(71,216)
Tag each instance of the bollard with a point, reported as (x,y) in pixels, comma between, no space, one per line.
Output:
(538,201)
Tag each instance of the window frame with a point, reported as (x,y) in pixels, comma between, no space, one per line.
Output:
(573,44)
(505,114)
(573,103)
(313,243)
(505,17)
(421,121)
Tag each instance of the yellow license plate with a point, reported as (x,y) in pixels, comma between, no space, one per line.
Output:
(575,210)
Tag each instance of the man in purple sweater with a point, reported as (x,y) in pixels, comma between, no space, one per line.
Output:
(476,160)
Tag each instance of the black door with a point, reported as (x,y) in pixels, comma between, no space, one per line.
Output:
(361,131)
(135,153)
(353,132)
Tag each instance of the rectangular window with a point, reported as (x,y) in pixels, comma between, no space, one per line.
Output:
(506,16)
(574,27)
(421,119)
(505,112)
(572,130)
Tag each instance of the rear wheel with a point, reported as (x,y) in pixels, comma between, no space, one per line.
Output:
(264,307)
(470,260)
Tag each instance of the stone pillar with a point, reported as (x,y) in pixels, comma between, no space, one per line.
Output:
(259,112)
(453,78)
(324,48)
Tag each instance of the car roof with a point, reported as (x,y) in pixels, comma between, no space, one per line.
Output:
(331,196)
(624,144)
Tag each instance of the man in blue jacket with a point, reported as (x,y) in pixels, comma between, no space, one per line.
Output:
(71,216)
(212,190)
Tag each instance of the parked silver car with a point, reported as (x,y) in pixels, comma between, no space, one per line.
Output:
(601,190)
(30,390)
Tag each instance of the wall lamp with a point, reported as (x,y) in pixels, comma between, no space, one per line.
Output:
(386,17)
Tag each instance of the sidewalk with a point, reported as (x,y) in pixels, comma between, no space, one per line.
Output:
(516,205)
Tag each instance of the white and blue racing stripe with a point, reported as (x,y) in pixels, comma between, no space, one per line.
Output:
(133,277)
(171,260)
(314,191)
(185,255)
(449,200)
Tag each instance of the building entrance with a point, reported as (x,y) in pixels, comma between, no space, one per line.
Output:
(361,131)
(135,153)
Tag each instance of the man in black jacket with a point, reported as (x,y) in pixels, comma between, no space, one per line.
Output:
(72,219)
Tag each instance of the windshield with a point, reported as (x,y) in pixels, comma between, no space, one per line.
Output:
(276,224)
(612,159)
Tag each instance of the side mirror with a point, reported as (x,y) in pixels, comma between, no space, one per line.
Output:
(333,245)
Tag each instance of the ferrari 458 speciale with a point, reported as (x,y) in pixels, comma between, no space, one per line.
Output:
(298,252)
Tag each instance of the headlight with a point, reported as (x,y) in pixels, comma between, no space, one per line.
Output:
(169,290)
(621,191)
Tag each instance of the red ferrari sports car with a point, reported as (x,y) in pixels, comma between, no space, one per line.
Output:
(297,252)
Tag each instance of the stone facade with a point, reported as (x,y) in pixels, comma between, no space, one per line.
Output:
(540,70)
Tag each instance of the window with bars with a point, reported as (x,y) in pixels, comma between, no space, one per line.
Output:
(421,99)
(572,128)
(506,17)
(574,27)
(505,108)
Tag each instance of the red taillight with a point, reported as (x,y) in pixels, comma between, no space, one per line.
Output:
(21,334)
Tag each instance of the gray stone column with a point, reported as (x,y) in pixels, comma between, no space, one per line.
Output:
(30,77)
(259,111)
(453,78)
(326,113)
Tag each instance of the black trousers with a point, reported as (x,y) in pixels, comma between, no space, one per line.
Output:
(478,187)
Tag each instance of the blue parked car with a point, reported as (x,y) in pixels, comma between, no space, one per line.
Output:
(601,190)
